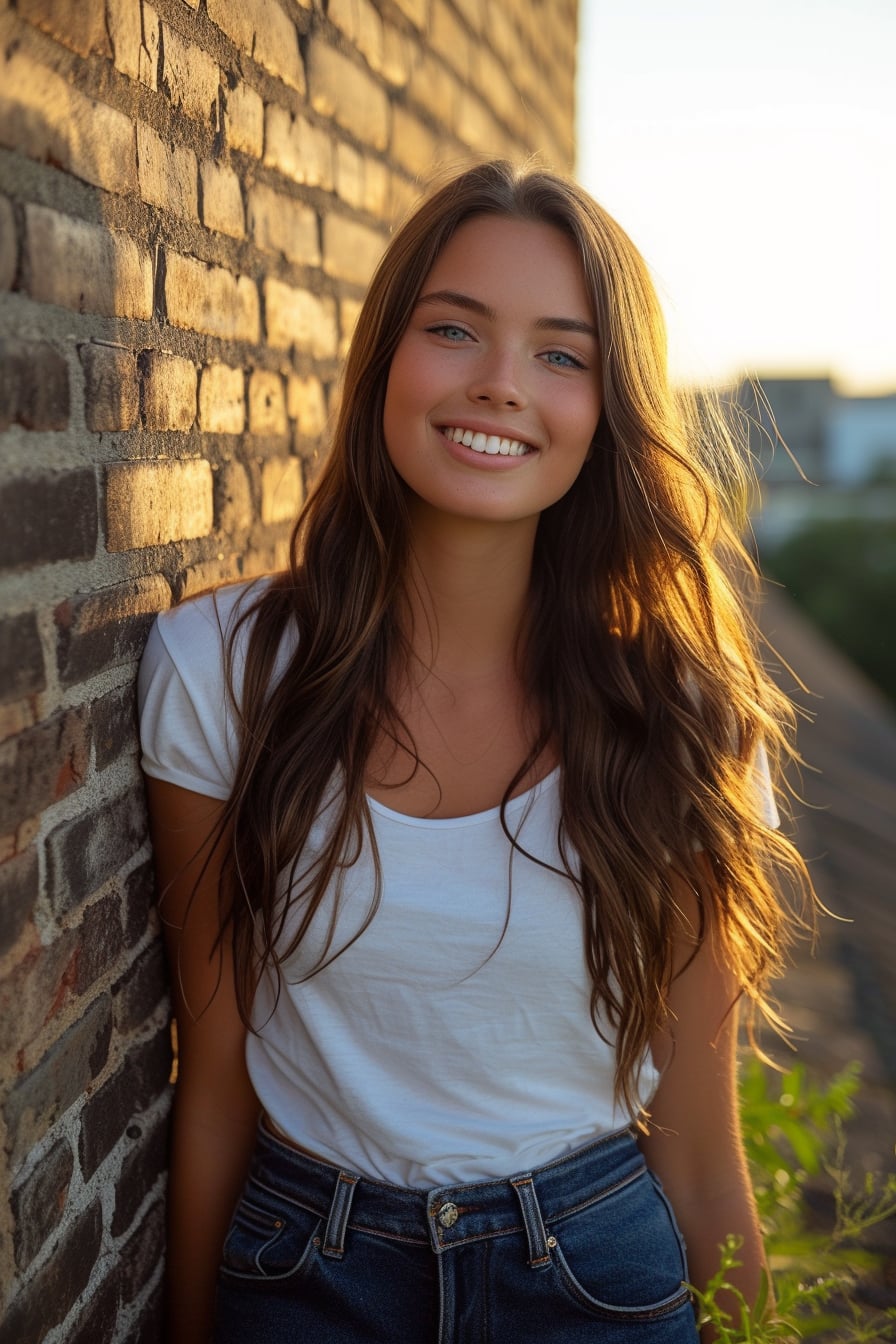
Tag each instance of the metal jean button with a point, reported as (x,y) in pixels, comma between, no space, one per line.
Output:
(447,1215)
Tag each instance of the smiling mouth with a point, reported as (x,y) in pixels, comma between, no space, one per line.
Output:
(491,444)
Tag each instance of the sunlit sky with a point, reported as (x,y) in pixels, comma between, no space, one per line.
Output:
(750,151)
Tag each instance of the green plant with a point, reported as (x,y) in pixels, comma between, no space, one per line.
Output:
(793,1131)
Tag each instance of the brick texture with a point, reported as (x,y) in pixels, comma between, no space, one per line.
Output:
(194,195)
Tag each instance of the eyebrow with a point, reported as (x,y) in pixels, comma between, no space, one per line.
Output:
(458,300)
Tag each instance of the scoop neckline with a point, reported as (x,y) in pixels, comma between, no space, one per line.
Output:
(469,818)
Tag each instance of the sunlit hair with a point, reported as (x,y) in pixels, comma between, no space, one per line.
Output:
(639,657)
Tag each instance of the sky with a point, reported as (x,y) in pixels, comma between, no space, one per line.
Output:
(749,149)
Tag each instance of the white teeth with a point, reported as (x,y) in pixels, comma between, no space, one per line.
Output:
(486,443)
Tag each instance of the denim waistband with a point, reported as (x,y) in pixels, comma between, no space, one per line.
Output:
(449,1215)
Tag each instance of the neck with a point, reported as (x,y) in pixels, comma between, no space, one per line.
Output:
(468,592)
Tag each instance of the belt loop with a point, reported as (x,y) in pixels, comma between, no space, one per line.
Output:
(334,1237)
(539,1254)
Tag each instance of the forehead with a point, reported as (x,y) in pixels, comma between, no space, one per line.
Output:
(503,260)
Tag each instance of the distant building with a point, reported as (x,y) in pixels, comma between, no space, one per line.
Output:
(819,454)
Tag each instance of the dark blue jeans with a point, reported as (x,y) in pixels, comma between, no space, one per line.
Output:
(583,1249)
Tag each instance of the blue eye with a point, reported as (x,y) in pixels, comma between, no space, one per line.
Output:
(559,359)
(450,331)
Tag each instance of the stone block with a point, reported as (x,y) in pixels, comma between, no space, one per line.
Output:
(140,990)
(79,24)
(222,400)
(263,30)
(398,56)
(306,405)
(126,33)
(209,299)
(278,223)
(151,503)
(233,499)
(267,403)
(111,392)
(86,851)
(415,10)
(244,119)
(167,391)
(19,891)
(45,117)
(150,48)
(449,39)
(349,176)
(113,276)
(73,1062)
(294,147)
(106,628)
(222,199)
(9,244)
(34,389)
(414,145)
(144,1163)
(41,765)
(349,312)
(167,174)
(363,27)
(141,1258)
(436,89)
(48,518)
(100,944)
(189,77)
(341,89)
(351,250)
(49,1296)
(282,489)
(21,657)
(142,1078)
(297,318)
(38,1202)
(113,721)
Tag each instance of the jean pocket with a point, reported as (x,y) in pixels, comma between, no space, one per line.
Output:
(621,1257)
(269,1237)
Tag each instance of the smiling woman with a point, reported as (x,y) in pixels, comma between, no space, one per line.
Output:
(465,831)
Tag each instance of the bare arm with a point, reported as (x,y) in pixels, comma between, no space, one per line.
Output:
(215,1109)
(694,1144)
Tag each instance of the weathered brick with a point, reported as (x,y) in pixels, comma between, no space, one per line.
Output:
(362,26)
(60,1079)
(266,33)
(142,1256)
(349,312)
(351,250)
(113,275)
(47,118)
(189,77)
(503,94)
(306,404)
(167,391)
(100,944)
(138,902)
(113,721)
(150,503)
(107,627)
(143,1164)
(297,149)
(37,1204)
(151,47)
(233,499)
(97,1318)
(222,199)
(414,145)
(48,518)
(398,56)
(168,174)
(111,394)
(46,1299)
(79,24)
(126,33)
(295,317)
(34,388)
(209,299)
(85,852)
(436,89)
(244,119)
(141,1079)
(477,127)
(21,657)
(415,10)
(267,403)
(42,765)
(449,38)
(277,223)
(19,890)
(140,990)
(222,400)
(341,89)
(377,180)
(349,174)
(474,13)
(9,244)
(282,490)
(147,1325)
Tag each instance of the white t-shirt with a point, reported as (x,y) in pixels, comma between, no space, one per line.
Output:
(440,1047)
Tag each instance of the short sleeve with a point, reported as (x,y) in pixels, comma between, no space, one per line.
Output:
(187,731)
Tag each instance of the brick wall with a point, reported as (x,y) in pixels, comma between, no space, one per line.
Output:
(192,196)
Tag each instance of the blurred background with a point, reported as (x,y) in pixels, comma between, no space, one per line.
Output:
(750,153)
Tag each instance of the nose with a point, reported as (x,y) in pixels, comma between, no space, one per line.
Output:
(498,380)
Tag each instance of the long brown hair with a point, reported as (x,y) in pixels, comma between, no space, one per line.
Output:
(640,657)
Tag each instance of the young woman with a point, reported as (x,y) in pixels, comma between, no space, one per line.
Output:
(465,832)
